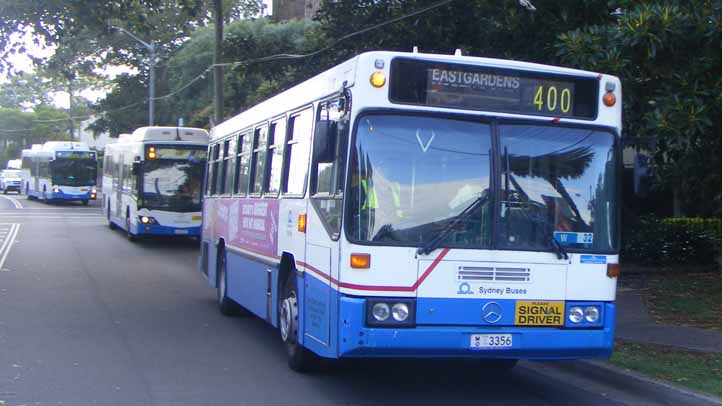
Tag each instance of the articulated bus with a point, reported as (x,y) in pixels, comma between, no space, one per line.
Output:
(419,205)
(152,181)
(60,171)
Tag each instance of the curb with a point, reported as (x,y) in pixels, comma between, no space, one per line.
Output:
(644,384)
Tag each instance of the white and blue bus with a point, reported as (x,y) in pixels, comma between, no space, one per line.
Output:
(419,205)
(61,171)
(152,181)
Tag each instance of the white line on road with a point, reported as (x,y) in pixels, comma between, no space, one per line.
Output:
(15,201)
(7,245)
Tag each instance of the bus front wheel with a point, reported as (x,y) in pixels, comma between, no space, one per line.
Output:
(131,237)
(299,358)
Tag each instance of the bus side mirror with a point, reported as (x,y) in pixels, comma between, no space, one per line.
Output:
(135,168)
(324,141)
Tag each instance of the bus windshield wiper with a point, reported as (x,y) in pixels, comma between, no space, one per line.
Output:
(436,241)
(558,248)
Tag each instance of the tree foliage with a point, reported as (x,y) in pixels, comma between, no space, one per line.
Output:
(244,85)
(668,57)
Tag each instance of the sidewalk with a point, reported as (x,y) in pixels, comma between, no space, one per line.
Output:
(635,325)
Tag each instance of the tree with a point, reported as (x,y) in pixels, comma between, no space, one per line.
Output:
(244,84)
(668,58)
(478,27)
(25,90)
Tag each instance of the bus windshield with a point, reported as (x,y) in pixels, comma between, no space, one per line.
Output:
(74,172)
(414,179)
(413,176)
(172,184)
(557,183)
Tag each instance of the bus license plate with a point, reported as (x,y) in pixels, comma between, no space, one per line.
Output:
(181,231)
(486,341)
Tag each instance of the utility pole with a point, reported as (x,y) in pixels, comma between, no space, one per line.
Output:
(151,85)
(217,69)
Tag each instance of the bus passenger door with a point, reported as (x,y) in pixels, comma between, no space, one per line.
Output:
(118,186)
(324,227)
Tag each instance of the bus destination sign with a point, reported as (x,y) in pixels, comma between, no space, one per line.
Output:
(492,89)
(75,154)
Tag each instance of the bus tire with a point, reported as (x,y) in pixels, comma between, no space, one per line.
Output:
(299,358)
(85,202)
(111,225)
(131,237)
(226,305)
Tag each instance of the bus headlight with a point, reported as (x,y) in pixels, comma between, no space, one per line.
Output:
(147,220)
(400,312)
(390,312)
(591,314)
(576,314)
(380,311)
(56,190)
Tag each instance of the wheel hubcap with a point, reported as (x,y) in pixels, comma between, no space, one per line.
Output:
(288,318)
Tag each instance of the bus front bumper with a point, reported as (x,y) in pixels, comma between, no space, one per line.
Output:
(358,340)
(70,196)
(158,229)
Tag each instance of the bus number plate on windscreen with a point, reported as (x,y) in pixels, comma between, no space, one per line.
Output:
(490,341)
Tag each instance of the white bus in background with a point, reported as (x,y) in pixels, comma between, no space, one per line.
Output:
(421,205)
(60,171)
(12,178)
(152,181)
(15,164)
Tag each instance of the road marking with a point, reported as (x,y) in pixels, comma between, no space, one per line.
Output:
(7,245)
(15,201)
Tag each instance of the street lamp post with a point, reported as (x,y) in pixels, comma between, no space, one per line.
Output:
(151,66)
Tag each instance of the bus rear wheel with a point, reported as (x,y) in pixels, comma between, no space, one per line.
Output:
(111,225)
(299,358)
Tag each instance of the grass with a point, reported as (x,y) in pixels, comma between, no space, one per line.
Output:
(693,299)
(699,371)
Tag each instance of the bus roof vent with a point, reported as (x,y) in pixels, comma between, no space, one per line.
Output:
(416,49)
(457,52)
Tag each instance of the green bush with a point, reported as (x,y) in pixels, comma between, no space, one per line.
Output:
(652,241)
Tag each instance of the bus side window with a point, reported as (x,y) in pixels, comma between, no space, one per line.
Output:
(220,166)
(299,147)
(209,162)
(275,157)
(223,163)
(260,150)
(214,169)
(243,163)
(229,165)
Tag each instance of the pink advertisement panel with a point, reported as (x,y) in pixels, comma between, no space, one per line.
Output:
(246,223)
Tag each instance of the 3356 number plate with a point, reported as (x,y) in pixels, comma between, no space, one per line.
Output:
(486,341)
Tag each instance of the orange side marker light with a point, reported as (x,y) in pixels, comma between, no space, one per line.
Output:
(613,270)
(360,261)
(302,223)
